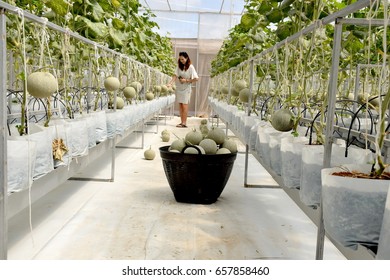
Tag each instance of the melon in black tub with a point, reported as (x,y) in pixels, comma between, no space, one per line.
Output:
(196,178)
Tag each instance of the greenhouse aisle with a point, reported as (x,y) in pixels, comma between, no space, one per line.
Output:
(136,216)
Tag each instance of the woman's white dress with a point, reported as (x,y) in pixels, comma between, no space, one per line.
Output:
(183,90)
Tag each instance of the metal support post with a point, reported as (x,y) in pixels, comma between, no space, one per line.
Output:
(251,78)
(332,90)
(251,81)
(3,139)
(89,90)
(143,134)
(229,94)
(116,74)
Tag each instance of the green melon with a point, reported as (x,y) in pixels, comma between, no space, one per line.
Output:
(165,131)
(230,145)
(204,129)
(157,88)
(244,95)
(239,85)
(111,83)
(192,150)
(149,154)
(129,92)
(223,151)
(282,120)
(194,137)
(178,144)
(120,103)
(165,137)
(203,121)
(209,146)
(149,96)
(225,90)
(234,92)
(164,89)
(217,134)
(41,84)
(137,86)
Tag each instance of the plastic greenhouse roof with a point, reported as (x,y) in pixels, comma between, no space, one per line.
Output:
(202,19)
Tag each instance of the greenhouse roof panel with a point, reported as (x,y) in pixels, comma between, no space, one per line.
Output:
(215,6)
(202,19)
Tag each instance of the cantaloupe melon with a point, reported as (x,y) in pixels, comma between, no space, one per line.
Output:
(221,151)
(234,92)
(209,146)
(178,145)
(157,88)
(111,83)
(239,85)
(282,120)
(193,150)
(149,95)
(165,137)
(164,89)
(244,95)
(216,134)
(230,145)
(129,92)
(194,137)
(137,86)
(225,90)
(120,103)
(41,84)
(165,131)
(149,154)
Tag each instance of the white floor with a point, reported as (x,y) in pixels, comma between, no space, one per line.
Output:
(136,216)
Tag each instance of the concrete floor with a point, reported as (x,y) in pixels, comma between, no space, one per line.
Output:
(136,217)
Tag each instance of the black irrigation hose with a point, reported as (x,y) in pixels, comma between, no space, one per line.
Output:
(354,115)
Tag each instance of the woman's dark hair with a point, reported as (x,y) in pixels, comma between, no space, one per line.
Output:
(188,62)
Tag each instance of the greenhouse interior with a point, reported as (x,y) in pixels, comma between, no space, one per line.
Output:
(287,120)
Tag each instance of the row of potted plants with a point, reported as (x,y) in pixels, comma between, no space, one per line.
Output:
(353,207)
(63,140)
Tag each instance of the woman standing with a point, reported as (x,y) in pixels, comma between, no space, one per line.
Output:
(184,76)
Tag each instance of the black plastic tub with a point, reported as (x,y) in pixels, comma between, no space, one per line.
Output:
(198,179)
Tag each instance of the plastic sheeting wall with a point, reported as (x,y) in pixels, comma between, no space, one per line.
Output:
(201,52)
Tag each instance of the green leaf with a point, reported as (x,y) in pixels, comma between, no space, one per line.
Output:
(60,7)
(97,11)
(275,16)
(96,29)
(116,37)
(265,7)
(118,24)
(248,20)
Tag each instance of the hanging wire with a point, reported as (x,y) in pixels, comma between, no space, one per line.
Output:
(20,13)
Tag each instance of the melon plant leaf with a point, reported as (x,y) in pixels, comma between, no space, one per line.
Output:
(118,24)
(60,7)
(97,12)
(96,29)
(116,37)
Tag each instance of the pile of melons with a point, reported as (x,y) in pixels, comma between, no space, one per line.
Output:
(209,141)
